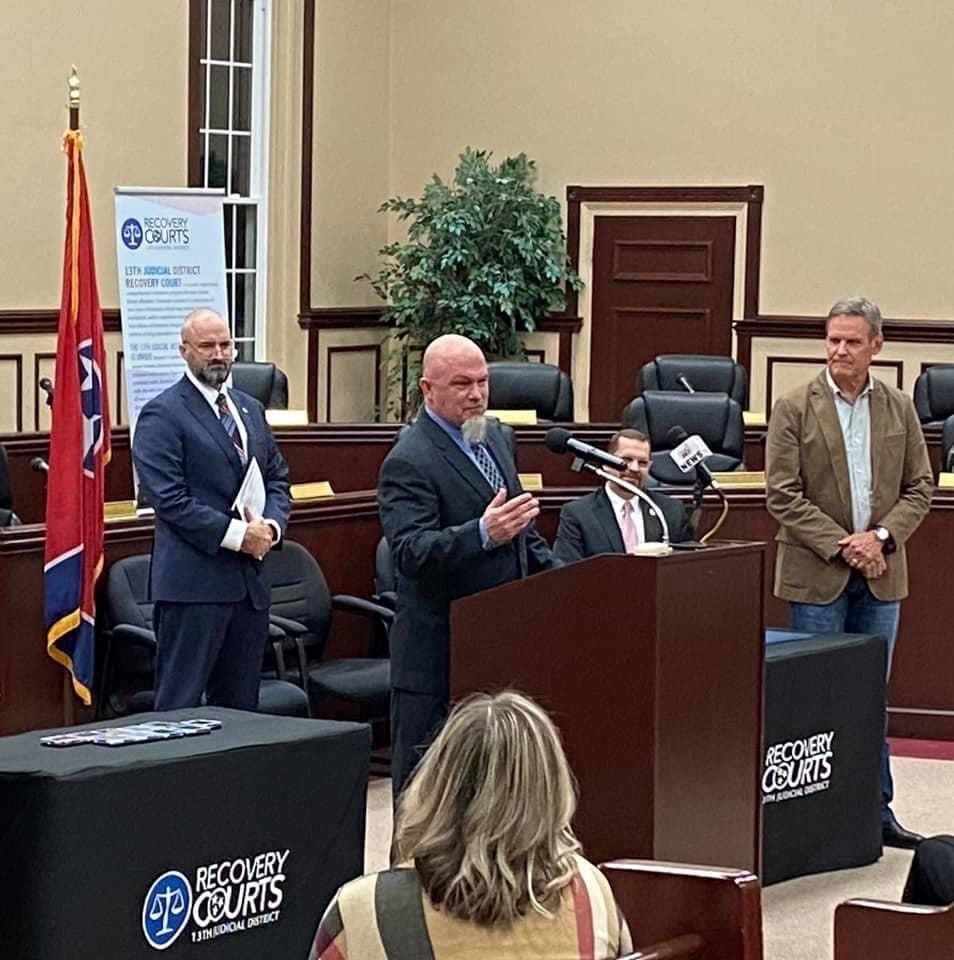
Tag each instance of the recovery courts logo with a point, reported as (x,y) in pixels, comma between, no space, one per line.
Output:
(166,909)
(223,898)
(798,768)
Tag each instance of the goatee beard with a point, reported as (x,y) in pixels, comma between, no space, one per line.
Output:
(475,429)
(214,376)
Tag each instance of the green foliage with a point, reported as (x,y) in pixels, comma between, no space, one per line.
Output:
(485,257)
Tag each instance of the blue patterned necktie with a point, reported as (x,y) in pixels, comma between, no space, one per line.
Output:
(230,426)
(488,467)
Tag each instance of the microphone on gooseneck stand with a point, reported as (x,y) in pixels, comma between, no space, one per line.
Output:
(594,460)
(560,440)
(685,384)
(688,453)
(46,385)
(39,465)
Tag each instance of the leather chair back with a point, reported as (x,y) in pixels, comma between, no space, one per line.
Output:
(934,394)
(543,387)
(264,381)
(947,444)
(127,592)
(299,591)
(715,417)
(705,374)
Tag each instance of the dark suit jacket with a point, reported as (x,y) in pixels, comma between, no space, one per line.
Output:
(588,526)
(190,473)
(431,497)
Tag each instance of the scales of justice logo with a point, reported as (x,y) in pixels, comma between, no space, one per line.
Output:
(166,909)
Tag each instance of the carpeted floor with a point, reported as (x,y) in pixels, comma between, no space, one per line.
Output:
(796,915)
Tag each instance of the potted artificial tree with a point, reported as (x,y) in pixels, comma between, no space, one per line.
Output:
(485,257)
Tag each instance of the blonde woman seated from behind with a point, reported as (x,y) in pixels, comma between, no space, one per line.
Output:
(492,866)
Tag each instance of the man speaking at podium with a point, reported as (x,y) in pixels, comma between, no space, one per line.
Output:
(848,480)
(457,522)
(612,519)
(192,446)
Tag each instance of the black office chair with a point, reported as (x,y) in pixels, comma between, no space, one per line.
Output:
(7,517)
(127,673)
(264,381)
(934,394)
(715,417)
(704,373)
(542,387)
(947,445)
(385,579)
(302,607)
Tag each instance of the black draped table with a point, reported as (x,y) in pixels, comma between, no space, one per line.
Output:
(228,844)
(824,729)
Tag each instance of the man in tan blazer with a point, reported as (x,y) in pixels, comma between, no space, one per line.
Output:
(848,479)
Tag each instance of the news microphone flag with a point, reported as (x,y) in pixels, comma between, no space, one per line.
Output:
(79,445)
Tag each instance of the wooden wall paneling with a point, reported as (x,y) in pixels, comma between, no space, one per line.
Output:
(342,533)
(672,261)
(363,409)
(46,321)
(44,365)
(773,361)
(348,456)
(751,195)
(12,388)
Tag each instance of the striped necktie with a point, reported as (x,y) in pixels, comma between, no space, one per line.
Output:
(231,428)
(488,467)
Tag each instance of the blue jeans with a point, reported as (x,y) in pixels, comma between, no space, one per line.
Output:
(857,610)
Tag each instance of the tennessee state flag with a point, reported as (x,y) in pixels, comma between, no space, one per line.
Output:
(79,445)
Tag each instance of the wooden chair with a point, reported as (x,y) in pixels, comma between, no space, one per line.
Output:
(879,930)
(679,911)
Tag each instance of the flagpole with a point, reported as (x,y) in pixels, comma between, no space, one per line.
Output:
(73,102)
(73,85)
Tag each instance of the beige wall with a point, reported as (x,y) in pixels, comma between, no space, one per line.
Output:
(350,174)
(841,110)
(132,65)
(285,340)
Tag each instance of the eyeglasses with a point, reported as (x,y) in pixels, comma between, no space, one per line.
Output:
(209,347)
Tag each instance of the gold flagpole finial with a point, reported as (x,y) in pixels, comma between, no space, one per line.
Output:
(73,85)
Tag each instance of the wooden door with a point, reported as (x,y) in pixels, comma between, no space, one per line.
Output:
(660,285)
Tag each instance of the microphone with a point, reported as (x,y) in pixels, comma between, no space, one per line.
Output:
(39,465)
(685,384)
(46,385)
(690,452)
(560,440)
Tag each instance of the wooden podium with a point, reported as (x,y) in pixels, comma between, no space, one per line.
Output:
(652,668)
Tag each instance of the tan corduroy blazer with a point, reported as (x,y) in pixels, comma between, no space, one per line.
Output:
(808,491)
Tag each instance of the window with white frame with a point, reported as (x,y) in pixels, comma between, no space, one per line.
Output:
(228,79)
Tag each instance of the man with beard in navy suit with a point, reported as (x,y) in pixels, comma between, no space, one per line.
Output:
(192,446)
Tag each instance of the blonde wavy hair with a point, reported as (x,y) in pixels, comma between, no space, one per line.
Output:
(486,816)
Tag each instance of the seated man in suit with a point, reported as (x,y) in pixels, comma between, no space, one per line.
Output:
(613,520)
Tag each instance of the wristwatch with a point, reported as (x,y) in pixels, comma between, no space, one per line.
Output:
(884,536)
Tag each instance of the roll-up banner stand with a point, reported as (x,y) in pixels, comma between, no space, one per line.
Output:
(170,245)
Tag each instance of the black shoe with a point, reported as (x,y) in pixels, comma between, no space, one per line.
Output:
(894,835)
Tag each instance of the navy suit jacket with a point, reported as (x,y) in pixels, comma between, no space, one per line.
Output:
(588,525)
(431,497)
(190,473)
